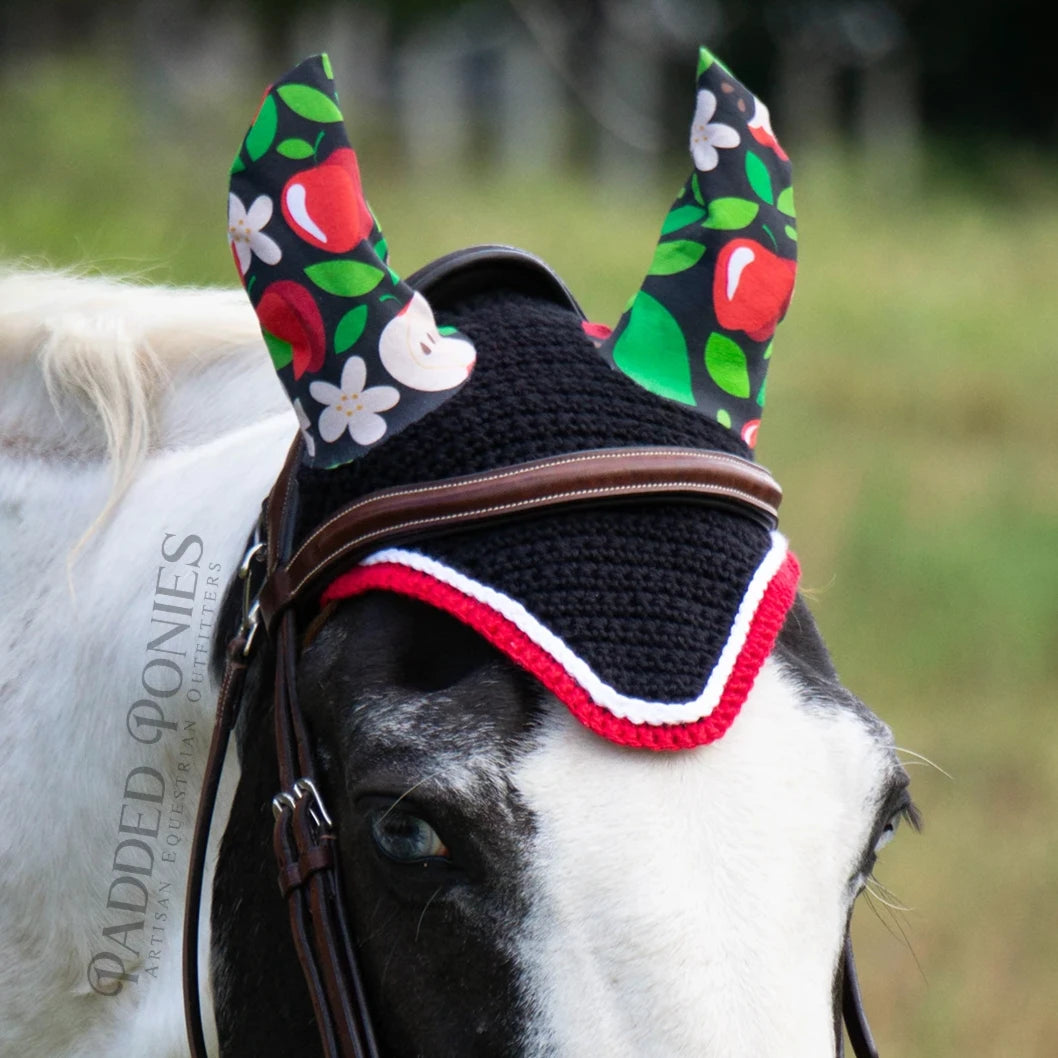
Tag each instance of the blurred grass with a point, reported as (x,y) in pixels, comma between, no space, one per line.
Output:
(914,432)
(913,429)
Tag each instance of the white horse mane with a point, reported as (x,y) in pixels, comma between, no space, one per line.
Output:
(146,420)
(95,367)
(114,343)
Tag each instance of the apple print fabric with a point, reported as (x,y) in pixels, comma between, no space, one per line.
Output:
(699,330)
(357,349)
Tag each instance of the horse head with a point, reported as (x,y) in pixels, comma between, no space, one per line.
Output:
(589,780)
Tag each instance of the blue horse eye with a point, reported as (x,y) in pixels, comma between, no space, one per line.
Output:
(404,837)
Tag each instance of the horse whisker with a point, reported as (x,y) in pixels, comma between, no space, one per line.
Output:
(410,790)
(919,758)
(897,933)
(426,907)
(877,893)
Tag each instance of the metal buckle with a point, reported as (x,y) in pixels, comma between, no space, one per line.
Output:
(250,623)
(251,607)
(303,787)
(319,815)
(281,801)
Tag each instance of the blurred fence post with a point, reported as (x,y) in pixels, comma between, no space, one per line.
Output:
(356,37)
(430,101)
(628,96)
(889,124)
(806,99)
(533,124)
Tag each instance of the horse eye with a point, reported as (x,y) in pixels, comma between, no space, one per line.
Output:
(889,831)
(404,837)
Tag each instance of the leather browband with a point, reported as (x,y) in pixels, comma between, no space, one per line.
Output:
(578,478)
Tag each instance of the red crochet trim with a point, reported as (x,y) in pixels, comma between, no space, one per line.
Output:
(511,640)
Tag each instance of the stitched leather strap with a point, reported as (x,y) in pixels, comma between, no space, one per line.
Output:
(578,478)
(303,840)
(227,710)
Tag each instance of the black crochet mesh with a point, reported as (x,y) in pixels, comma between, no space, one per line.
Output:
(645,593)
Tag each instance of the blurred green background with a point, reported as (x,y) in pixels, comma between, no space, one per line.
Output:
(911,422)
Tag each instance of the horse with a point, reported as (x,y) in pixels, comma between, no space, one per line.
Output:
(525,857)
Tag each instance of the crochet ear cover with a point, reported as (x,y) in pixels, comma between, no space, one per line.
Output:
(649,622)
(356,348)
(699,330)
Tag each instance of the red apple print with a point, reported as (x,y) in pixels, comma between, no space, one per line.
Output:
(752,288)
(598,332)
(325,205)
(766,138)
(288,311)
(760,130)
(238,267)
(749,432)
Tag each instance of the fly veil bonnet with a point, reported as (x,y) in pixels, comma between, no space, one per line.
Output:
(583,498)
(649,621)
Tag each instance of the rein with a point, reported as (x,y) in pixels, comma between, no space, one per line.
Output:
(304,836)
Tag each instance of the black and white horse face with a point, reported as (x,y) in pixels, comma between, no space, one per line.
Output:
(520,886)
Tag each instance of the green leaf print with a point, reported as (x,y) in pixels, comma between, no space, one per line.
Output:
(681,217)
(785,202)
(349,328)
(281,352)
(309,102)
(295,148)
(263,130)
(759,178)
(677,256)
(347,279)
(726,364)
(652,350)
(730,214)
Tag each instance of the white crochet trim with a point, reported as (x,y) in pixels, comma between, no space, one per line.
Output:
(636,710)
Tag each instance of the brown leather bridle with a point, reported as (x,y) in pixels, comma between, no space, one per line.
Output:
(304,835)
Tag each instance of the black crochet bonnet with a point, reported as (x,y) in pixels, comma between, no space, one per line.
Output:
(649,620)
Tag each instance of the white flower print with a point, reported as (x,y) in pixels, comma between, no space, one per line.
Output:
(304,422)
(244,231)
(707,136)
(351,407)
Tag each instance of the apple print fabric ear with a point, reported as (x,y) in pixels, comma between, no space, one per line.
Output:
(356,348)
(699,330)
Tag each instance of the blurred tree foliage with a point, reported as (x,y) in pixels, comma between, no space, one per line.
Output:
(980,64)
(278,17)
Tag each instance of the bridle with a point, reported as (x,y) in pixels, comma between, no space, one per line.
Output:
(304,837)
(280,576)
